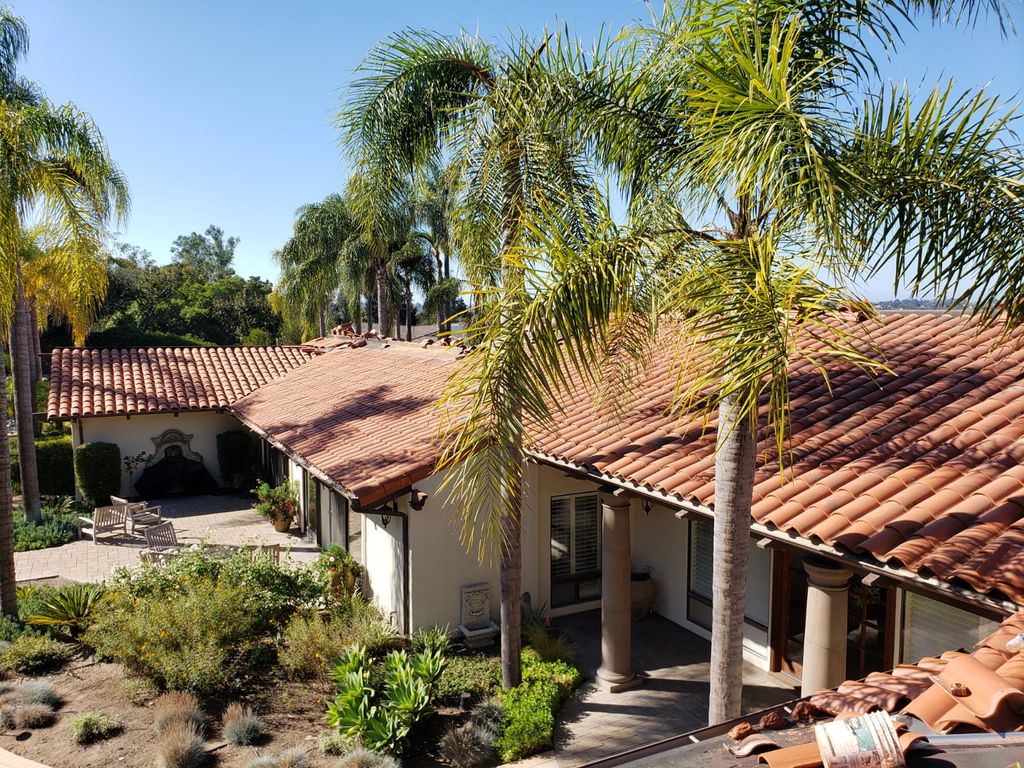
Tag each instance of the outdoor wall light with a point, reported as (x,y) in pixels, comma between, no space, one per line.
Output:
(417,499)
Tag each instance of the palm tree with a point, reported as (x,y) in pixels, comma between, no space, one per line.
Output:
(55,164)
(435,208)
(314,261)
(414,266)
(756,122)
(419,97)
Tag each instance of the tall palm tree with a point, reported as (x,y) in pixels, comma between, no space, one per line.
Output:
(419,97)
(314,261)
(435,204)
(414,267)
(758,119)
(55,166)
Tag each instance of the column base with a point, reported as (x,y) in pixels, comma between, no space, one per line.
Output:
(613,682)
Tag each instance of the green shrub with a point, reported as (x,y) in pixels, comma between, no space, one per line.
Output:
(9,628)
(70,607)
(58,527)
(236,454)
(475,674)
(432,640)
(312,645)
(381,716)
(339,572)
(241,726)
(365,758)
(181,746)
(368,628)
(90,727)
(31,654)
(528,719)
(199,641)
(550,646)
(55,461)
(471,745)
(332,743)
(98,471)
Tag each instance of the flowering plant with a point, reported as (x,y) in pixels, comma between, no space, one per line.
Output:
(277,504)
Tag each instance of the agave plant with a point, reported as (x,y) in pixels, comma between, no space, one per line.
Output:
(69,607)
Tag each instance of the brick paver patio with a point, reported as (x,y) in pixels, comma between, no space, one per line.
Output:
(223,519)
(672,700)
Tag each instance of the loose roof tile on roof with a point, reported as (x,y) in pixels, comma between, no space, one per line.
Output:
(109,382)
(920,467)
(992,677)
(365,418)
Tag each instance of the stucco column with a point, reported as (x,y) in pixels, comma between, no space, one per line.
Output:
(616,672)
(824,662)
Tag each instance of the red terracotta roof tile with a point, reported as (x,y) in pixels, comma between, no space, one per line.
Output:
(899,467)
(114,382)
(366,418)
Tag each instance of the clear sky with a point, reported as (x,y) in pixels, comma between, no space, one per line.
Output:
(219,111)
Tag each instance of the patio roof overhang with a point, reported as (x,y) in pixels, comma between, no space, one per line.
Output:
(906,578)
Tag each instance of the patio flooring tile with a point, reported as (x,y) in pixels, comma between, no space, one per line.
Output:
(672,700)
(222,519)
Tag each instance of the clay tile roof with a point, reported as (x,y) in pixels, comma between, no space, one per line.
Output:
(993,677)
(365,418)
(920,467)
(115,382)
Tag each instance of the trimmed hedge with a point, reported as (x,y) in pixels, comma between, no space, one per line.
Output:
(236,453)
(55,459)
(98,471)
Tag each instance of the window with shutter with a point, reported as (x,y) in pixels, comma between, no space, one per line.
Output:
(931,627)
(575,549)
(701,574)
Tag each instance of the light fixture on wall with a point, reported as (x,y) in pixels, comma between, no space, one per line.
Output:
(385,517)
(417,499)
(646,504)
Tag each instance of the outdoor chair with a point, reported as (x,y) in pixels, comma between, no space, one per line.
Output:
(103,520)
(161,537)
(138,512)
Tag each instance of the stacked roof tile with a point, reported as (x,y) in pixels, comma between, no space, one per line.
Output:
(921,466)
(980,691)
(107,382)
(365,418)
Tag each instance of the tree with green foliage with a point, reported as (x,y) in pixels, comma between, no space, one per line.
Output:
(767,121)
(56,166)
(209,255)
(419,97)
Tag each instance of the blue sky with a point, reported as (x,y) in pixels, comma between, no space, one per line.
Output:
(220,112)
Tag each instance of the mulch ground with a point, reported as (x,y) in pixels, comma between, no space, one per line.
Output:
(292,714)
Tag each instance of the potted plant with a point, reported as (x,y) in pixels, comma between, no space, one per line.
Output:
(278,504)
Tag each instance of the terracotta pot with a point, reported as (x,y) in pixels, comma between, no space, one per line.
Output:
(281,525)
(643,597)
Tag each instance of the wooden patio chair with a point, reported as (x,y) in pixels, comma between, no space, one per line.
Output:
(139,512)
(161,537)
(103,520)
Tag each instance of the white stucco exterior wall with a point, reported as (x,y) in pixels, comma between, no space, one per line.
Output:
(134,435)
(382,550)
(661,543)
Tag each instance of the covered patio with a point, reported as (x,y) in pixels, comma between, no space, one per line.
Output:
(217,519)
(673,699)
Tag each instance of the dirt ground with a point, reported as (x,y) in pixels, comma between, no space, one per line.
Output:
(292,715)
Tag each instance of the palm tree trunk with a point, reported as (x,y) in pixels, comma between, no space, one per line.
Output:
(734,487)
(356,310)
(21,367)
(511,578)
(37,350)
(383,321)
(448,309)
(408,311)
(440,276)
(322,319)
(8,583)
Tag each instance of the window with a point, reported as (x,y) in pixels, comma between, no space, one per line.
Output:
(701,574)
(575,549)
(931,627)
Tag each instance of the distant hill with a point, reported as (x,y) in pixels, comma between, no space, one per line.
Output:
(913,304)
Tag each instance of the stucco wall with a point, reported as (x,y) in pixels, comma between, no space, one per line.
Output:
(661,543)
(440,564)
(383,561)
(134,435)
